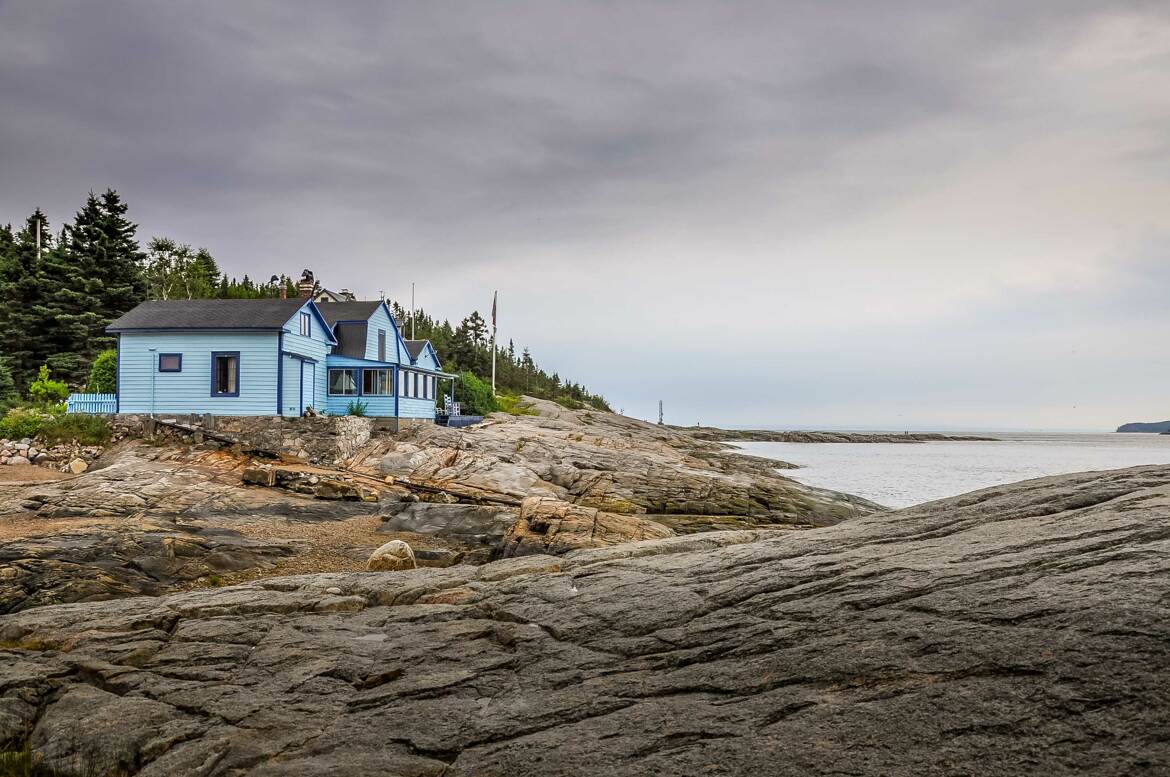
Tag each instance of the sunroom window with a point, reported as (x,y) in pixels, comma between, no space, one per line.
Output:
(343,383)
(376,382)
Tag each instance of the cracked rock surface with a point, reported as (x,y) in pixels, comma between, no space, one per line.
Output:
(612,463)
(1023,629)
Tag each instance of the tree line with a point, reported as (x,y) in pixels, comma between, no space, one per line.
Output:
(467,347)
(61,289)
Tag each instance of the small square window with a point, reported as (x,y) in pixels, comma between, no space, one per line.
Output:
(306,325)
(170,362)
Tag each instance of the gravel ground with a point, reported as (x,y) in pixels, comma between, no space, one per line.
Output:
(28,473)
(332,546)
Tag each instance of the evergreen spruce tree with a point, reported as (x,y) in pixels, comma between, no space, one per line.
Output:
(73,280)
(24,318)
(94,277)
(123,285)
(8,393)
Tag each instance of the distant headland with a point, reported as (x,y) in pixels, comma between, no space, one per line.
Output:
(1151,427)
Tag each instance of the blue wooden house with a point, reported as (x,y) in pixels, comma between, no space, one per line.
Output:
(272,357)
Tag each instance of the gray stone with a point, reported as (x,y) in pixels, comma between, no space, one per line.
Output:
(467,524)
(395,555)
(1017,630)
(17,460)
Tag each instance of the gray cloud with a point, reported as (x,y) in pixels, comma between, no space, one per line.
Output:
(684,176)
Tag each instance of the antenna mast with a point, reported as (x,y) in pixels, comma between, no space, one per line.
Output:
(412,310)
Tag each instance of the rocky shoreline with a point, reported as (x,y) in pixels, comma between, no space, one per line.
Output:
(1020,628)
(168,513)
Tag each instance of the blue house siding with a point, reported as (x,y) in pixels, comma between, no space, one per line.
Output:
(426,359)
(380,405)
(395,347)
(416,408)
(314,348)
(188,391)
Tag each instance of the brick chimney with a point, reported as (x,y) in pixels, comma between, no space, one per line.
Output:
(305,288)
(283,290)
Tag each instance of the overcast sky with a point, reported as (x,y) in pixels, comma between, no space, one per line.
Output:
(827,214)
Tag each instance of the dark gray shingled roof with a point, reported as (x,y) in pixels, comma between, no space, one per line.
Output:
(415,347)
(348,311)
(208,314)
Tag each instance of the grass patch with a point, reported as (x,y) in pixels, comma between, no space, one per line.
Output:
(30,643)
(80,428)
(24,763)
(513,404)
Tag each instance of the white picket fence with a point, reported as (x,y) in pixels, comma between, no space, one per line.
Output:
(94,404)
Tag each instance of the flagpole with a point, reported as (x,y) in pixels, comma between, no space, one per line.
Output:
(495,294)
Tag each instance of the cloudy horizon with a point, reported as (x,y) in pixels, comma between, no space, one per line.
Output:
(797,214)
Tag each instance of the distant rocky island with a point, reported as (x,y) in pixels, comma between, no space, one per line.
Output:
(767,435)
(1147,427)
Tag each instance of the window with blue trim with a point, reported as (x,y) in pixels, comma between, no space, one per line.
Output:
(225,374)
(170,362)
(376,383)
(306,325)
(343,383)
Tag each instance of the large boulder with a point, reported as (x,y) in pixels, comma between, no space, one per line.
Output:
(554,527)
(394,556)
(471,525)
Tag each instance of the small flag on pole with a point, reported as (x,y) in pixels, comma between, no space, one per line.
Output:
(495,294)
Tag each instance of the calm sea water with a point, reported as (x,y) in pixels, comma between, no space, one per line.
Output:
(900,475)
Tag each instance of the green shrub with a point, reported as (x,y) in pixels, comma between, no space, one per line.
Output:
(474,395)
(84,429)
(22,422)
(514,405)
(103,375)
(569,402)
(44,391)
(356,407)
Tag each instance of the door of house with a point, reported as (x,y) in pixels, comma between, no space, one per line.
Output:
(308,385)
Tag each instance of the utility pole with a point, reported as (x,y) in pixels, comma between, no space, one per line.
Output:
(660,423)
(412,310)
(495,296)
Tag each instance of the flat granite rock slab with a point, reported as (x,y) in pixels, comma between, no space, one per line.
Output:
(1024,629)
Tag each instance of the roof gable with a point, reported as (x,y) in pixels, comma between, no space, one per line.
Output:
(209,314)
(348,311)
(416,348)
(316,312)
